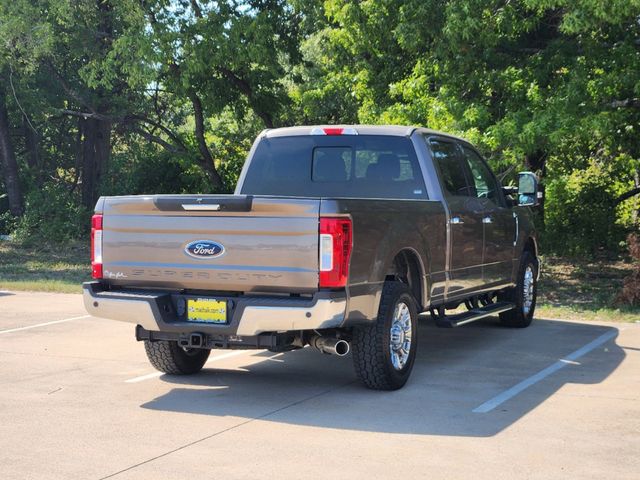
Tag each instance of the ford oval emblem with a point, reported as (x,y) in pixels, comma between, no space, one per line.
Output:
(204,249)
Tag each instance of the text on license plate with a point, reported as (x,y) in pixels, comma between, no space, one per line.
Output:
(206,310)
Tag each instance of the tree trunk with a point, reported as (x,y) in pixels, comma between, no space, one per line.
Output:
(8,161)
(537,162)
(96,149)
(96,131)
(33,151)
(206,157)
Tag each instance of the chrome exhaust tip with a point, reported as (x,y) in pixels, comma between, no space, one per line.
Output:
(331,346)
(341,348)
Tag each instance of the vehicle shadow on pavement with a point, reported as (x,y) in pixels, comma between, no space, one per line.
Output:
(456,371)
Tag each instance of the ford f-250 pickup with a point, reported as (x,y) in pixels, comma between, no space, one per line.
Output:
(336,237)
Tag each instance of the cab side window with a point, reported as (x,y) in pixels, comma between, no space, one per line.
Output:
(446,157)
(485,184)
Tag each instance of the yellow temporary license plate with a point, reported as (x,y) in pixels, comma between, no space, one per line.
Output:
(206,310)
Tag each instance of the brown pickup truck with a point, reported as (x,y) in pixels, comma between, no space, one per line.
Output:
(336,237)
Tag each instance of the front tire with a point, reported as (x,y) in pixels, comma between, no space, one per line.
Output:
(168,357)
(384,352)
(523,295)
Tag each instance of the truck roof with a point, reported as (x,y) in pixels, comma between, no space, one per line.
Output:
(393,130)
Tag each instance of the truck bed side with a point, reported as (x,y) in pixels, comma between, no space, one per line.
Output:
(381,230)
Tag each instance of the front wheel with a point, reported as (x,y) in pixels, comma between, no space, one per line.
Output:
(384,352)
(169,357)
(523,295)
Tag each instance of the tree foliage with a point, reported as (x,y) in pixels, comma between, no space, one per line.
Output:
(544,85)
(145,96)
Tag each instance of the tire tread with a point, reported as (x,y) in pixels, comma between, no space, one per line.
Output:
(516,318)
(168,357)
(368,344)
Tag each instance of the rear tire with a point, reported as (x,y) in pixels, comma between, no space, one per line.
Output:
(384,352)
(168,357)
(523,295)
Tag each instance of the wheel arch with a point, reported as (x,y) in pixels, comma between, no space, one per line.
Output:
(407,266)
(531,245)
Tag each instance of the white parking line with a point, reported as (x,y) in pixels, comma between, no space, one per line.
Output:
(563,362)
(211,359)
(43,324)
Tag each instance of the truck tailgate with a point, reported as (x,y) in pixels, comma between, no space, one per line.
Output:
(211,242)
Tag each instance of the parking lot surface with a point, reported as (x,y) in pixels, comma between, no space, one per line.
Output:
(78,399)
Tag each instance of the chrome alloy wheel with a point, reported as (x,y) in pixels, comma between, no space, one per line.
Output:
(528,284)
(400,338)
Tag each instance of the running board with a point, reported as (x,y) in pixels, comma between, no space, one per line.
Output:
(451,321)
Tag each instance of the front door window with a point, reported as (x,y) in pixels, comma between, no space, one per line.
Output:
(484,183)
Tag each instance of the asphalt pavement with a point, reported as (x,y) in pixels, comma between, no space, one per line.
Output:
(78,400)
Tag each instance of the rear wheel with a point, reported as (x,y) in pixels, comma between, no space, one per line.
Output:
(169,357)
(384,352)
(523,295)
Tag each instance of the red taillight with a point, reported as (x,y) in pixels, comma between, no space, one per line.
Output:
(96,246)
(333,131)
(335,251)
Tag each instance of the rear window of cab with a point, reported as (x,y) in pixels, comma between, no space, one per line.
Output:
(362,166)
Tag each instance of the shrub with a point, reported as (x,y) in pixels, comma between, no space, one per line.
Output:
(7,223)
(53,216)
(145,170)
(581,216)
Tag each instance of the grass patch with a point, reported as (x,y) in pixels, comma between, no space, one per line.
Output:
(45,269)
(583,290)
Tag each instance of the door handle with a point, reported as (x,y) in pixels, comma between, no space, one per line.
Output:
(456,221)
(487,220)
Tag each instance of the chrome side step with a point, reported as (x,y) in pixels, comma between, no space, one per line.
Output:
(451,321)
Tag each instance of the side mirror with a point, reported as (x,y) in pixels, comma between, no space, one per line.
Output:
(528,191)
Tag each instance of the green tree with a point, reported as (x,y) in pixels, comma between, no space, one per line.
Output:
(224,56)
(76,60)
(147,96)
(545,85)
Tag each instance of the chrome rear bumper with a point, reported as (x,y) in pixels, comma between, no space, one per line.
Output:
(249,316)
